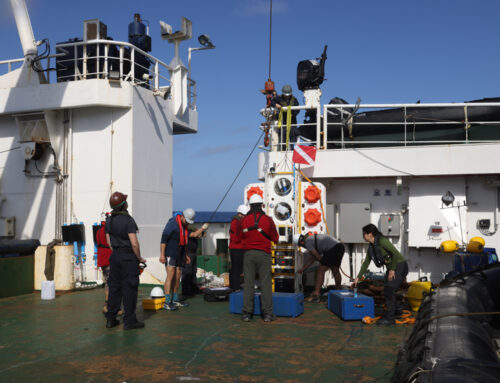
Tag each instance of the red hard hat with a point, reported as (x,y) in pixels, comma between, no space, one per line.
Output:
(117,199)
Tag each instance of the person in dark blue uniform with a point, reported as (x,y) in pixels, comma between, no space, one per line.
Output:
(121,234)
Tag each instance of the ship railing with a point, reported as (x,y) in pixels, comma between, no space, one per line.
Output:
(409,124)
(12,64)
(111,60)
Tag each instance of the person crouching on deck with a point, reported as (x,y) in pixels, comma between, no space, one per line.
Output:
(257,231)
(173,254)
(329,252)
(383,253)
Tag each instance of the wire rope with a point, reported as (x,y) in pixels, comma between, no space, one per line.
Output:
(236,177)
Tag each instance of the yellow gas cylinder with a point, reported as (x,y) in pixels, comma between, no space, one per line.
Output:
(417,291)
(475,245)
(449,246)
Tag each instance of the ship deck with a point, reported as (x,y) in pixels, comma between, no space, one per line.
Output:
(66,340)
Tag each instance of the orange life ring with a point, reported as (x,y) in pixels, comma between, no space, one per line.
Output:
(312,194)
(312,217)
(254,190)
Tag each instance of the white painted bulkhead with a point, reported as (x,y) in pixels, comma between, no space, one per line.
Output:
(119,137)
(409,183)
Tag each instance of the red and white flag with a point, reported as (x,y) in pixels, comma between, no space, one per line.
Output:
(303,154)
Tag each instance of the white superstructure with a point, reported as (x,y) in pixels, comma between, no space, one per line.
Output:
(67,143)
(396,184)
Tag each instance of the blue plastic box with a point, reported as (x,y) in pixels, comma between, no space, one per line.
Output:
(464,262)
(343,303)
(284,304)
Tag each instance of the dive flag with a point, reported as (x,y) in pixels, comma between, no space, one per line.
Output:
(303,154)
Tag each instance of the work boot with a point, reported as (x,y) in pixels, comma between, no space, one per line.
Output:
(110,323)
(135,325)
(385,322)
(269,317)
(170,306)
(246,317)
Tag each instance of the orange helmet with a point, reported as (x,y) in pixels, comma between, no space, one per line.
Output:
(117,199)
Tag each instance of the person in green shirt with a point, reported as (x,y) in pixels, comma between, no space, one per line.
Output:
(383,253)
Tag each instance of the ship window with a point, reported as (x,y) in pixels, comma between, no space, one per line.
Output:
(282,186)
(282,211)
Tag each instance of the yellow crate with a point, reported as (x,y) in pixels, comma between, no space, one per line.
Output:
(153,303)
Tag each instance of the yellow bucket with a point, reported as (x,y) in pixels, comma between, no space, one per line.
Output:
(416,293)
(449,246)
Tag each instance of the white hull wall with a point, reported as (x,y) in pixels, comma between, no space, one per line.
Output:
(152,171)
(430,172)
(30,200)
(120,143)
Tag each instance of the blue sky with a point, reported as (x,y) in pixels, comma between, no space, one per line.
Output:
(381,51)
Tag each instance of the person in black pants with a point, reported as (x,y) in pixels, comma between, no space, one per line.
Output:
(121,234)
(189,270)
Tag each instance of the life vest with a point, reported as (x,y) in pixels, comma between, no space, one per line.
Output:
(256,226)
(183,233)
(375,254)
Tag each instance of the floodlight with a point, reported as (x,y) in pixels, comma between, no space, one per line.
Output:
(448,198)
(205,41)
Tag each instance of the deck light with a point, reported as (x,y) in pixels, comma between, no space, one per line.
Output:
(205,41)
(448,198)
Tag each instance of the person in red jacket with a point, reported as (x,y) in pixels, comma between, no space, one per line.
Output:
(103,254)
(257,232)
(236,249)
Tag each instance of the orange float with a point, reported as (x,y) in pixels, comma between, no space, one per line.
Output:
(254,190)
(312,217)
(312,194)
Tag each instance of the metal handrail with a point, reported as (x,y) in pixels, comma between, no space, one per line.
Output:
(158,79)
(407,123)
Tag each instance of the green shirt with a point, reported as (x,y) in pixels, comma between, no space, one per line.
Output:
(391,255)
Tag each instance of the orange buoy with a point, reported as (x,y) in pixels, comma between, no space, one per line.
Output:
(312,217)
(254,190)
(312,194)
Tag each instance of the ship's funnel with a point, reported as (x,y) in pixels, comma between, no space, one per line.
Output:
(24,27)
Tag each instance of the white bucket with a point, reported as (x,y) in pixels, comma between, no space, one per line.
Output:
(48,290)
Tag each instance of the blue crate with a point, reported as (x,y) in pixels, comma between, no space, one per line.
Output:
(284,304)
(345,305)
(464,262)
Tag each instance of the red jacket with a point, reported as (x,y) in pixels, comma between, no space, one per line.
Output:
(234,239)
(103,250)
(258,239)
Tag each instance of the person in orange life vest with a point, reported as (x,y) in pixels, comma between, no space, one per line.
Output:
(173,254)
(236,249)
(257,231)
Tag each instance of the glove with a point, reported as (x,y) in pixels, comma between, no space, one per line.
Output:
(204,226)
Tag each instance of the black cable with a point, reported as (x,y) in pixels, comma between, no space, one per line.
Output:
(270,33)
(8,150)
(235,178)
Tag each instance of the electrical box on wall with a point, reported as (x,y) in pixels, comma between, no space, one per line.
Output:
(7,227)
(352,217)
(390,224)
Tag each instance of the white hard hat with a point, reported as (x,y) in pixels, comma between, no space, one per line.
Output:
(189,215)
(255,198)
(297,238)
(243,209)
(157,292)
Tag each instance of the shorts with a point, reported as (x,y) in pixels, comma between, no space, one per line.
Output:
(333,257)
